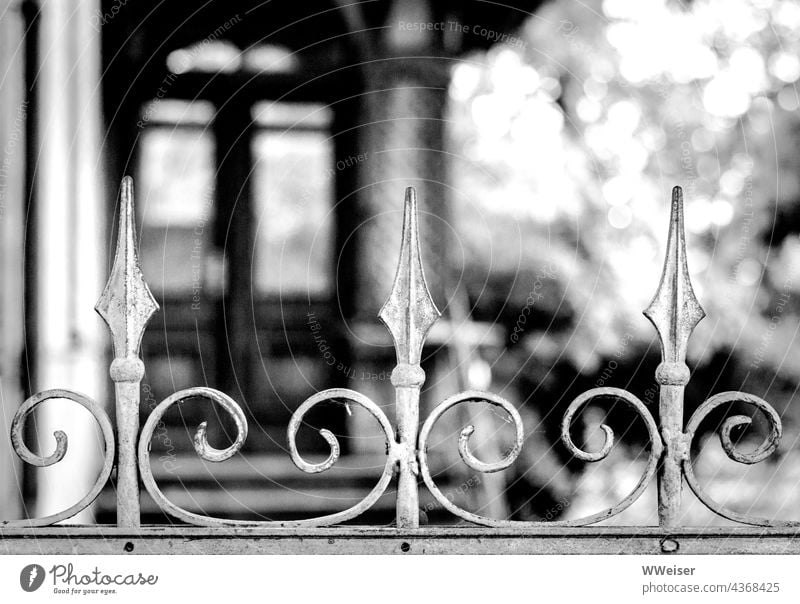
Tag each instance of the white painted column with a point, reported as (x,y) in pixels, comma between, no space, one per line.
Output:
(13,115)
(71,246)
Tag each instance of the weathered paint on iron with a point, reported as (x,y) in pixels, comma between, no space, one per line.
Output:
(674,312)
(764,450)
(346,540)
(126,306)
(408,314)
(62,443)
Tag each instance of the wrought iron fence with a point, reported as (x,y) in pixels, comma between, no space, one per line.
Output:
(126,305)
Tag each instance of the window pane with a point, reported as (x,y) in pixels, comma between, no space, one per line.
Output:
(172,112)
(209,56)
(292,115)
(293,201)
(175,203)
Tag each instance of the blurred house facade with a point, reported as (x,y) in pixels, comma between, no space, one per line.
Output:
(271,144)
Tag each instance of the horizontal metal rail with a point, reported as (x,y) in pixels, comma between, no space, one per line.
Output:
(127,305)
(101,540)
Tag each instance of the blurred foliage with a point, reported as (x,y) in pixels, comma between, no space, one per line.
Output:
(568,146)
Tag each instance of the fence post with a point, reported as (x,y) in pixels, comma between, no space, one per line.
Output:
(126,305)
(674,312)
(409,313)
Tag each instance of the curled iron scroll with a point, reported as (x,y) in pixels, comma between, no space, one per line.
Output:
(22,450)
(764,450)
(466,454)
(336,394)
(201,445)
(656,449)
(209,453)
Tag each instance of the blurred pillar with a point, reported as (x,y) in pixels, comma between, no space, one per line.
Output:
(401,131)
(70,249)
(403,135)
(13,118)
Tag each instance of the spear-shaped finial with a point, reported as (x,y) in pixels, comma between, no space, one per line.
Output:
(675,311)
(126,303)
(410,312)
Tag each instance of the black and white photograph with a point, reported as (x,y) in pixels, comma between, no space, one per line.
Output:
(398,300)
